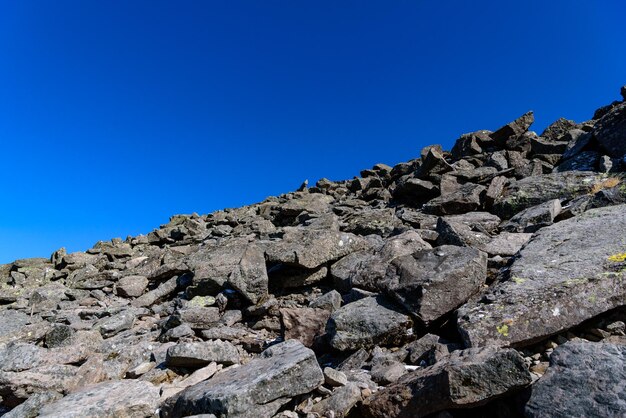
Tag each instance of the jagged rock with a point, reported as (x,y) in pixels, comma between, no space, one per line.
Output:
(514,129)
(32,406)
(131,286)
(431,283)
(535,217)
(334,377)
(471,144)
(237,262)
(466,199)
(157,294)
(263,385)
(202,353)
(583,380)
(386,370)
(123,398)
(330,301)
(311,203)
(115,324)
(610,131)
(366,323)
(532,191)
(562,277)
(304,324)
(340,402)
(414,190)
(464,379)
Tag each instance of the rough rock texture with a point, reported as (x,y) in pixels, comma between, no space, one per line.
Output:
(583,380)
(563,276)
(282,371)
(464,379)
(511,239)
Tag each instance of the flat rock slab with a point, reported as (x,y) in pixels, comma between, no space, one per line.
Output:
(366,323)
(432,283)
(256,389)
(584,380)
(112,399)
(198,354)
(567,273)
(464,379)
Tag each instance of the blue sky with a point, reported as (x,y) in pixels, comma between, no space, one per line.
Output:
(115,115)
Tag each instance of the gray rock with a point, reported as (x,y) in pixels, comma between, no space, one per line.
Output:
(334,377)
(506,243)
(610,131)
(153,296)
(196,317)
(199,354)
(131,286)
(386,370)
(115,324)
(583,380)
(464,379)
(534,218)
(113,399)
(431,283)
(237,262)
(466,199)
(256,389)
(304,324)
(330,301)
(340,403)
(532,191)
(513,129)
(562,277)
(32,406)
(366,323)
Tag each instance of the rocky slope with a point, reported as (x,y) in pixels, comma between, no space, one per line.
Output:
(485,281)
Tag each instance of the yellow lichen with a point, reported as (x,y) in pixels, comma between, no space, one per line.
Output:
(617,258)
(518,280)
(605,183)
(503,330)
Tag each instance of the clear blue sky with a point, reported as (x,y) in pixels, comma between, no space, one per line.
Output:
(115,115)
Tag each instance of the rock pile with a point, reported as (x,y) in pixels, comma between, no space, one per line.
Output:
(485,281)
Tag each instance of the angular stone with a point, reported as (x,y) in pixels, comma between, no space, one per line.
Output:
(506,244)
(131,286)
(122,398)
(340,402)
(610,131)
(584,379)
(557,129)
(432,283)
(334,377)
(541,145)
(366,323)
(466,199)
(330,301)
(199,354)
(304,324)
(115,324)
(569,272)
(534,218)
(531,191)
(464,379)
(470,144)
(412,190)
(33,405)
(281,372)
(236,262)
(513,129)
(157,294)
(310,248)
(311,203)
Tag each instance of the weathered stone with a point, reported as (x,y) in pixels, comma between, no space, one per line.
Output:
(196,318)
(340,402)
(330,301)
(413,190)
(506,243)
(557,129)
(583,380)
(115,324)
(464,379)
(237,262)
(202,353)
(610,131)
(541,145)
(534,218)
(311,203)
(567,273)
(33,405)
(155,295)
(131,286)
(281,372)
(123,399)
(532,191)
(513,129)
(334,377)
(366,323)
(466,199)
(431,283)
(304,324)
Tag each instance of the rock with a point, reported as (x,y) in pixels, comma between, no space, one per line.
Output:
(131,286)
(32,406)
(330,301)
(464,379)
(532,191)
(386,370)
(610,131)
(334,377)
(584,379)
(506,244)
(155,295)
(310,248)
(557,129)
(263,385)
(310,203)
(466,199)
(562,277)
(541,145)
(115,324)
(366,323)
(413,190)
(535,217)
(236,262)
(123,398)
(304,324)
(200,354)
(471,144)
(340,402)
(514,129)
(431,283)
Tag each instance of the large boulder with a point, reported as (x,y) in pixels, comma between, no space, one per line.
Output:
(584,380)
(567,273)
(257,389)
(365,323)
(432,283)
(464,379)
(610,131)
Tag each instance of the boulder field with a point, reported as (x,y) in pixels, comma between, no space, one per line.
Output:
(487,281)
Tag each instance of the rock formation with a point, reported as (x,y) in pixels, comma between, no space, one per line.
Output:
(485,281)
